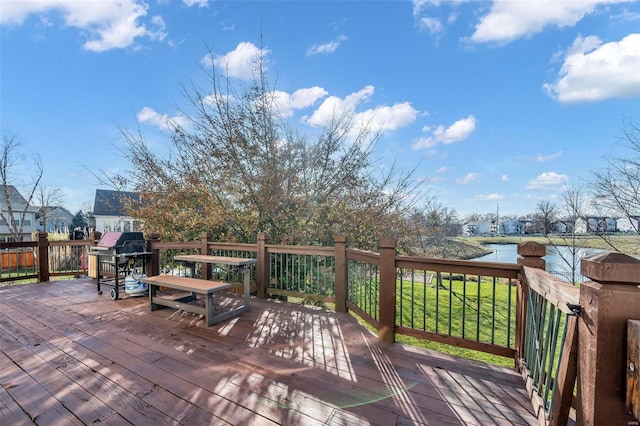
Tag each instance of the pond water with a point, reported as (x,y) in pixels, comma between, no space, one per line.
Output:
(554,258)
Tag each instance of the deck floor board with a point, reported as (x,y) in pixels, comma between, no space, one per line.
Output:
(71,356)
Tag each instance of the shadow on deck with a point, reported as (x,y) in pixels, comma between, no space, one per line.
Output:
(71,356)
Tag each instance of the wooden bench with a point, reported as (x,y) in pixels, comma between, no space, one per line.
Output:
(194,286)
(240,262)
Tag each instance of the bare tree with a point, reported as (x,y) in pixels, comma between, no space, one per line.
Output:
(572,210)
(47,197)
(545,217)
(432,228)
(616,188)
(10,160)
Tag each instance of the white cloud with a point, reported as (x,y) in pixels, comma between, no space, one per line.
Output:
(382,117)
(593,71)
(488,197)
(509,20)
(544,158)
(286,103)
(108,24)
(547,180)
(240,62)
(443,169)
(469,178)
(504,178)
(161,121)
(418,5)
(218,99)
(199,3)
(326,48)
(458,131)
(432,24)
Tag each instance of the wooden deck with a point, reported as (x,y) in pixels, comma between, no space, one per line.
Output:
(70,356)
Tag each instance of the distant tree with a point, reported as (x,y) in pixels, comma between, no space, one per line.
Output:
(237,168)
(11,162)
(79,220)
(47,197)
(616,188)
(431,229)
(572,210)
(545,217)
(480,217)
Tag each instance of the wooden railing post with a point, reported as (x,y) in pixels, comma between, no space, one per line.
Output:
(153,261)
(387,317)
(608,301)
(43,257)
(205,268)
(262,268)
(531,254)
(341,280)
(95,237)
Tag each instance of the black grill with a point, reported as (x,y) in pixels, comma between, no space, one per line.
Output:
(118,254)
(121,243)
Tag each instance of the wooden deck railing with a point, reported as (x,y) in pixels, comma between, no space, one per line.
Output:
(562,338)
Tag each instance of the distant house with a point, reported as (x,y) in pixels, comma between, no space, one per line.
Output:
(564,226)
(629,224)
(19,206)
(601,224)
(109,211)
(54,219)
(581,226)
(511,227)
(483,228)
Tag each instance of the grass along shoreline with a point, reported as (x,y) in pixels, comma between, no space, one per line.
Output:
(628,243)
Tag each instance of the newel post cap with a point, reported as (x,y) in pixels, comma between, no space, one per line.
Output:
(387,243)
(611,267)
(532,249)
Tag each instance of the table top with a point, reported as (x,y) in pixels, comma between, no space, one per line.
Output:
(220,260)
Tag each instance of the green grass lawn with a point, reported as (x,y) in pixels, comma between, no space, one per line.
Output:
(451,305)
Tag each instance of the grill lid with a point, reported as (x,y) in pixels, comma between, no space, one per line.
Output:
(121,243)
(118,239)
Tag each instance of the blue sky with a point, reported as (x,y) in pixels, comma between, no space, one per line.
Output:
(496,103)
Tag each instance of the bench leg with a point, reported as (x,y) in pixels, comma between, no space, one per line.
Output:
(153,291)
(208,307)
(247,286)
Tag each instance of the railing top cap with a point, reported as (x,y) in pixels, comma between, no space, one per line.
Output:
(611,267)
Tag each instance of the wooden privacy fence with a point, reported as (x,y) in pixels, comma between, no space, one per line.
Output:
(562,338)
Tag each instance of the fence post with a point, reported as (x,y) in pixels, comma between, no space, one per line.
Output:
(531,254)
(387,317)
(608,301)
(205,268)
(262,268)
(43,257)
(153,262)
(341,279)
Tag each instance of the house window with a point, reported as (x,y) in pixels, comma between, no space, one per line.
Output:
(26,222)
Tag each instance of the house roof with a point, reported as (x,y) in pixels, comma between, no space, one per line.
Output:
(18,202)
(110,203)
(53,211)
